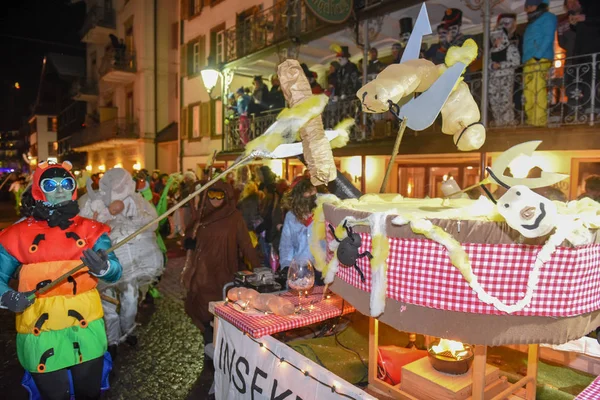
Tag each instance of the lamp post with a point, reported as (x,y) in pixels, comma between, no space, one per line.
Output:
(210,78)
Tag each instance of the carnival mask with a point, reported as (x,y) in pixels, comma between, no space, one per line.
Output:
(453,32)
(509,24)
(404,39)
(527,212)
(343,61)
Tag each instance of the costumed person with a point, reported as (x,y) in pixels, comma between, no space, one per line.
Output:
(217,243)
(123,209)
(331,90)
(538,53)
(243,102)
(436,53)
(375,66)
(348,77)
(406,27)
(508,21)
(61,339)
(504,59)
(301,200)
(16,188)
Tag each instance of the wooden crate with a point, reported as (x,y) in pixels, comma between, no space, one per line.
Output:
(421,380)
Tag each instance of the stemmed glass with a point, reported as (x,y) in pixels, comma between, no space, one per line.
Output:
(301,277)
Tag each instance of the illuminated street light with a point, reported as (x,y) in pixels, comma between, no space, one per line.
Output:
(17,86)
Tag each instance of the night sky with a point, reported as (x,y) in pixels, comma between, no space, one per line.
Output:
(29,29)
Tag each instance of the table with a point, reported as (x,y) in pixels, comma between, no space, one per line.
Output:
(259,326)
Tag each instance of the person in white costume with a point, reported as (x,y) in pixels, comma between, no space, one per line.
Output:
(118,205)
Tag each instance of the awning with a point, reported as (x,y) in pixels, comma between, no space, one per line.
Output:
(167,134)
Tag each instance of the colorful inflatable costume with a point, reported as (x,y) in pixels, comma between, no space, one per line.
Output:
(60,335)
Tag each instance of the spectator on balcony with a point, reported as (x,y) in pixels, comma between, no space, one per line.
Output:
(538,53)
(375,66)
(260,95)
(312,79)
(437,51)
(332,78)
(587,24)
(567,26)
(243,102)
(275,94)
(505,58)
(348,77)
(508,21)
(397,51)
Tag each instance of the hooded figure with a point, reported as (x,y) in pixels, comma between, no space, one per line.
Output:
(141,257)
(61,339)
(505,58)
(221,236)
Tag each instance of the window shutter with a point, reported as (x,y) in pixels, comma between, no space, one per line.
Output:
(205,119)
(202,51)
(185,9)
(183,133)
(190,58)
(183,62)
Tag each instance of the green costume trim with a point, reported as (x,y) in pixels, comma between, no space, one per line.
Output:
(66,344)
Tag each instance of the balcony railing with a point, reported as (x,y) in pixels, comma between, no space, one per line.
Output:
(98,16)
(571,97)
(567,94)
(114,129)
(118,60)
(268,27)
(84,87)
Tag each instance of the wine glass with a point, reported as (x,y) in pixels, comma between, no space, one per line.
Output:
(301,277)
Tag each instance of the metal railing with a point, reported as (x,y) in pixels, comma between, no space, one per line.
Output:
(268,27)
(98,16)
(560,93)
(118,60)
(118,128)
(518,98)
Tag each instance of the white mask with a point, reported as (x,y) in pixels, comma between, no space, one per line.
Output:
(343,61)
(527,212)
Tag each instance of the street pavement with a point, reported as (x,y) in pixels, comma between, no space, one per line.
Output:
(166,363)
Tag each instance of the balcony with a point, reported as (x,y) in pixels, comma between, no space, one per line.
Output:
(99,23)
(269,27)
(572,103)
(84,90)
(118,66)
(108,134)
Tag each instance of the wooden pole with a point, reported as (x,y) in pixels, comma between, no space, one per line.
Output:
(533,356)
(395,150)
(479,372)
(144,228)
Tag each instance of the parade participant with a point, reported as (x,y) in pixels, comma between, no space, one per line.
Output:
(505,57)
(218,241)
(125,211)
(301,200)
(61,342)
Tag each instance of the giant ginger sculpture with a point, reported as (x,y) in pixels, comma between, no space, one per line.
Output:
(460,113)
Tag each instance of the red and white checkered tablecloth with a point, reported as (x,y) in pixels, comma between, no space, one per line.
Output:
(420,273)
(262,325)
(591,392)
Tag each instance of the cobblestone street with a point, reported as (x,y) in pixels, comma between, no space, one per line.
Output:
(166,363)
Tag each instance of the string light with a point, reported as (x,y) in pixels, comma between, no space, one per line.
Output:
(306,373)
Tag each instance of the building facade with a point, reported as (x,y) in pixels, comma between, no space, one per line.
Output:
(245,39)
(131,83)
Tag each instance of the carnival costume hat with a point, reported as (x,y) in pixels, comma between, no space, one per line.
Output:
(452,17)
(507,15)
(60,215)
(343,52)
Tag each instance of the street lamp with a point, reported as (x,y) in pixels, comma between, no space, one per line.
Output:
(210,76)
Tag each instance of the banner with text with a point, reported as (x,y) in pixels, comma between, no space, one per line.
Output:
(245,370)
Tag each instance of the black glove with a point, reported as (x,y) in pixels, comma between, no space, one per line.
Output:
(189,244)
(16,301)
(97,262)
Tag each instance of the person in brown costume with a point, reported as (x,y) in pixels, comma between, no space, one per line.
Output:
(221,237)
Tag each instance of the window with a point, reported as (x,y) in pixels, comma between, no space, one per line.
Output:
(196,55)
(196,7)
(196,58)
(217,43)
(52,124)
